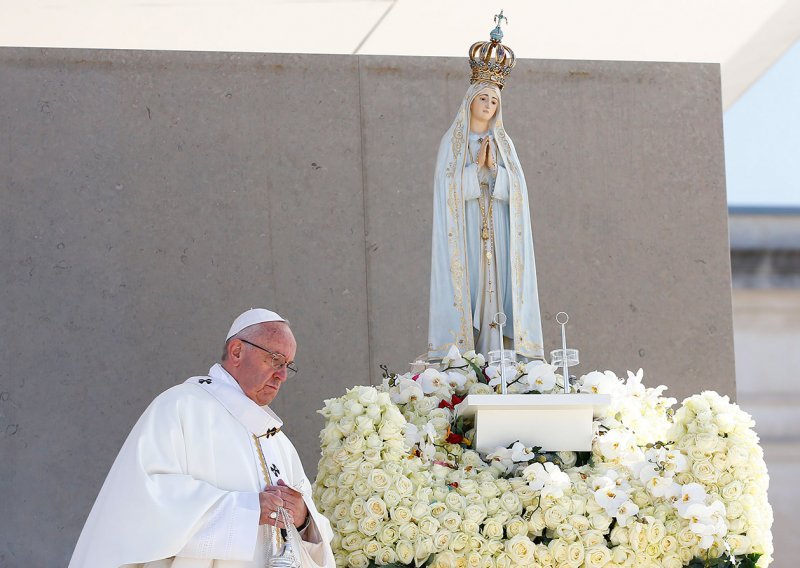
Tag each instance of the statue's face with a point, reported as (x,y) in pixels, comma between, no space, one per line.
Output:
(484,105)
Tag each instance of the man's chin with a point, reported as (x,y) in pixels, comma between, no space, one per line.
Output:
(266,396)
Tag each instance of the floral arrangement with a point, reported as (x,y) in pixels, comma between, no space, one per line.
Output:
(402,487)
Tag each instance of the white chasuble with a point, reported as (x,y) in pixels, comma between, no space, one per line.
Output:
(183,491)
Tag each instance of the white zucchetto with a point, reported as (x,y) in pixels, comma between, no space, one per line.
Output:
(252,317)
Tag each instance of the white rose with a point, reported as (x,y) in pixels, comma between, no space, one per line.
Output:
(358,508)
(376,507)
(459,541)
(445,559)
(428,525)
(503,560)
(575,554)
(441,539)
(511,503)
(391,497)
(733,490)
(386,555)
(597,557)
(451,521)
(516,526)
(455,502)
(371,548)
(567,532)
(704,471)
(475,512)
(353,408)
(492,528)
(593,538)
(558,548)
(656,531)
(403,485)
(520,549)
(669,544)
(357,559)
(554,516)
(409,531)
(420,509)
(470,527)
(355,443)
(480,388)
(362,488)
(672,561)
(405,551)
(353,541)
(536,522)
(467,486)
(488,489)
(474,560)
(379,481)
(401,515)
(388,533)
(369,526)
(739,543)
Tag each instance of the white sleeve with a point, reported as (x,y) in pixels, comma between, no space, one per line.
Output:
(228,530)
(472,187)
(501,184)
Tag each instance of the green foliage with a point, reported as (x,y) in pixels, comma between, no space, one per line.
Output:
(725,561)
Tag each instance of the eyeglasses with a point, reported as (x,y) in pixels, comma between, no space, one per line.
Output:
(278,360)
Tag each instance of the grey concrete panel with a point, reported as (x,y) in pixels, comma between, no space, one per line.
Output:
(147,199)
(624,164)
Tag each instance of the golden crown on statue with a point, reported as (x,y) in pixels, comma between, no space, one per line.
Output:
(491,61)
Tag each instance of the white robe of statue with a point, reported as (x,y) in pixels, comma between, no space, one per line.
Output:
(468,287)
(183,491)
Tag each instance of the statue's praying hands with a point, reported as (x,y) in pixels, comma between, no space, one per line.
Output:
(486,157)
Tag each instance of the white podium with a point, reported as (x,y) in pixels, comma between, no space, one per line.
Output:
(556,422)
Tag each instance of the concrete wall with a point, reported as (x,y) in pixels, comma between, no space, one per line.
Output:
(767,333)
(149,197)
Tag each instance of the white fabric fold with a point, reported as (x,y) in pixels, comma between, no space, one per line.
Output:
(183,491)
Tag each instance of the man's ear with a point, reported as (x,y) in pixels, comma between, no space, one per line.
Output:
(235,352)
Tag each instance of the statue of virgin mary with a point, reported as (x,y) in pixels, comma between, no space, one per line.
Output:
(482,260)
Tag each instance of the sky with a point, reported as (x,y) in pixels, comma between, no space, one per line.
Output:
(762,138)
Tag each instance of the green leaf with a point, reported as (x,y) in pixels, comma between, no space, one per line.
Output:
(478,370)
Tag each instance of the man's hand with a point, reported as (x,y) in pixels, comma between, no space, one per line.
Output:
(281,495)
(293,502)
(270,499)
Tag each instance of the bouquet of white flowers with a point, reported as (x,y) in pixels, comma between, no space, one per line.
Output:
(401,485)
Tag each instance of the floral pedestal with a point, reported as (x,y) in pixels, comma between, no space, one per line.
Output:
(403,486)
(553,422)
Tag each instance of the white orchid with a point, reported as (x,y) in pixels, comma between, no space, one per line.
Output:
(433,381)
(412,434)
(540,376)
(453,358)
(406,390)
(496,377)
(502,457)
(600,383)
(691,494)
(626,513)
(546,477)
(707,521)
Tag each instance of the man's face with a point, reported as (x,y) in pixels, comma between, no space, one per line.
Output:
(252,368)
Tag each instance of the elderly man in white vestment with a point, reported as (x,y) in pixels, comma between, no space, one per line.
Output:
(205,469)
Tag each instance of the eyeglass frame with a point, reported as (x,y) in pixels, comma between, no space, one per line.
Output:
(290,367)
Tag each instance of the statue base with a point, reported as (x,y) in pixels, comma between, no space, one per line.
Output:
(554,422)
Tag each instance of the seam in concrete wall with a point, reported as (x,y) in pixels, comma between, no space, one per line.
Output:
(366,216)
